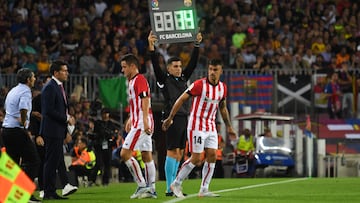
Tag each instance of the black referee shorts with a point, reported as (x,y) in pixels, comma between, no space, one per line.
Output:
(177,133)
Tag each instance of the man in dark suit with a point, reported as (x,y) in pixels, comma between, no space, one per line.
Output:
(54,109)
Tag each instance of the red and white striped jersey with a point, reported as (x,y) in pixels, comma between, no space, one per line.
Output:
(139,88)
(205,103)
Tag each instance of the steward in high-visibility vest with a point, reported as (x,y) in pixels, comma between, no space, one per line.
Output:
(83,161)
(87,158)
(246,142)
(246,148)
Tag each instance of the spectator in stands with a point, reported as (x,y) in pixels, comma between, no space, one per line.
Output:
(53,44)
(286,47)
(327,54)
(24,47)
(238,38)
(30,62)
(11,66)
(81,27)
(70,43)
(100,7)
(342,56)
(346,87)
(88,62)
(18,27)
(319,65)
(248,55)
(333,93)
(318,46)
(43,64)
(309,58)
(229,58)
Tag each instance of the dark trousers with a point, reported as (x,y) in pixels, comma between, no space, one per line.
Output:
(62,173)
(78,170)
(333,114)
(20,146)
(103,163)
(41,152)
(219,169)
(54,156)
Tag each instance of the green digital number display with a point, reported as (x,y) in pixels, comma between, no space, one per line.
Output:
(174,21)
(184,20)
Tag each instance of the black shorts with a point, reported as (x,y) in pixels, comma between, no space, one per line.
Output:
(176,134)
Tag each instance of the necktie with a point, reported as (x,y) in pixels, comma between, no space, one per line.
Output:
(63,92)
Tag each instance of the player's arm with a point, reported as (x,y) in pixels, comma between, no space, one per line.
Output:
(159,74)
(179,102)
(145,101)
(23,116)
(226,117)
(194,57)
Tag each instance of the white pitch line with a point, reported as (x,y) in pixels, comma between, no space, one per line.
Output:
(239,188)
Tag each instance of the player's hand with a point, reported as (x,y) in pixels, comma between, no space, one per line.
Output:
(166,124)
(152,39)
(127,126)
(231,132)
(147,128)
(199,37)
(39,141)
(67,139)
(37,115)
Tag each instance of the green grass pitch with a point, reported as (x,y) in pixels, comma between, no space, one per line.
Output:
(258,190)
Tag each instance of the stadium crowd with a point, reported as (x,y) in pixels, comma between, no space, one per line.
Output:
(92,36)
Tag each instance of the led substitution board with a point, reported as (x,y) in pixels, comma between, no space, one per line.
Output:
(173,21)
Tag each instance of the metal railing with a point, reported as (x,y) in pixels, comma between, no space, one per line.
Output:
(90,85)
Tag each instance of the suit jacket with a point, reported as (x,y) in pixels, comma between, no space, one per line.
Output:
(53,111)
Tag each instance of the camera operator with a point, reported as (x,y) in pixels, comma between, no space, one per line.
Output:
(105,139)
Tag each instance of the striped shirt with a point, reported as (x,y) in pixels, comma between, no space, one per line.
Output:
(205,103)
(138,89)
(18,98)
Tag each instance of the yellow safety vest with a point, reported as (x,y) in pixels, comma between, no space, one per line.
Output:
(245,145)
(87,159)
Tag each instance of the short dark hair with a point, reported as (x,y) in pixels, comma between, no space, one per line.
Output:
(84,140)
(172,59)
(131,59)
(56,66)
(215,62)
(23,74)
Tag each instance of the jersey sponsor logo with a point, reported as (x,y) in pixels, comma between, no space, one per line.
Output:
(210,100)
